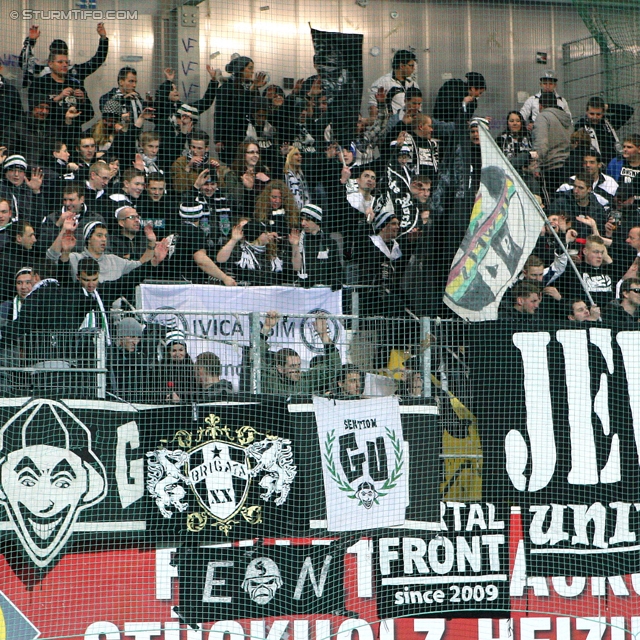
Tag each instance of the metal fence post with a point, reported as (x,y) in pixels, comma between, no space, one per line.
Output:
(255,351)
(101,363)
(425,339)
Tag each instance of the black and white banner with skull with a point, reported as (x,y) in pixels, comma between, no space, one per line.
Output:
(364,462)
(231,473)
(357,438)
(258,581)
(559,414)
(69,472)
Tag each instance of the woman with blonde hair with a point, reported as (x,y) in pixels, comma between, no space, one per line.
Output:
(294,177)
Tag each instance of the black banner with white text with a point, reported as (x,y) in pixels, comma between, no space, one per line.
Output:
(464,566)
(561,436)
(259,581)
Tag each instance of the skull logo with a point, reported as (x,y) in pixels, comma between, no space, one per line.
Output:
(262,580)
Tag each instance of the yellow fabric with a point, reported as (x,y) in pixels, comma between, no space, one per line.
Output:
(462,475)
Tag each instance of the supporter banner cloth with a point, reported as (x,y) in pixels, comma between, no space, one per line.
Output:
(364,463)
(260,581)
(69,472)
(464,567)
(504,228)
(559,416)
(422,445)
(338,60)
(230,471)
(227,333)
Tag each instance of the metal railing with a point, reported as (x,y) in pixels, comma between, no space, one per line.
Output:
(386,350)
(60,363)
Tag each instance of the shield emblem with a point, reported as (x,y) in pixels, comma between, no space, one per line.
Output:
(219,473)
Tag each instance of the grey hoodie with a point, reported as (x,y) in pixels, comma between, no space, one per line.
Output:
(552,137)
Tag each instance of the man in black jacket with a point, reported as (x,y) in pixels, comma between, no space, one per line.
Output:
(600,122)
(30,68)
(54,310)
(457,100)
(315,256)
(62,91)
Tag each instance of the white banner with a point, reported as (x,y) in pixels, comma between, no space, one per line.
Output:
(364,462)
(190,307)
(505,225)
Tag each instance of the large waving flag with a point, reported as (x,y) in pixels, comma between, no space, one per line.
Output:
(505,224)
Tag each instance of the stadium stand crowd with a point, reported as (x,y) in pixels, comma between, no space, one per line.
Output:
(272,197)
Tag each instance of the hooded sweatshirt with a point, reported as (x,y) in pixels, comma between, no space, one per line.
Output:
(552,137)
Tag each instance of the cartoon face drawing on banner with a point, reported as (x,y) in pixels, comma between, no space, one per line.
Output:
(262,580)
(309,334)
(367,494)
(48,476)
(219,473)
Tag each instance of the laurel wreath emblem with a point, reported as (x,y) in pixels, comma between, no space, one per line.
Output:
(389,484)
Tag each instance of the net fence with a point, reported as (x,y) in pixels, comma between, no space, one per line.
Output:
(319,320)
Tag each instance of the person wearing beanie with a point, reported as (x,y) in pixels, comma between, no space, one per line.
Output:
(112,267)
(190,260)
(531,107)
(104,131)
(457,99)
(24,192)
(315,255)
(32,69)
(187,110)
(551,144)
(235,106)
(23,283)
(382,264)
(176,120)
(130,363)
(403,68)
(176,380)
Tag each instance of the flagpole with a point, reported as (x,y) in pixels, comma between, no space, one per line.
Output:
(522,184)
